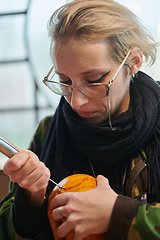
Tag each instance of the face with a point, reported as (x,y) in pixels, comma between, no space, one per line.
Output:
(78,62)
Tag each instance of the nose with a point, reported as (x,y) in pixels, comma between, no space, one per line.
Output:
(78,98)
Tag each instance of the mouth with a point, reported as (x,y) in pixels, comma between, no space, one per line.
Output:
(86,114)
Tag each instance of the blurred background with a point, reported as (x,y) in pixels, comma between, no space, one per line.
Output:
(25,60)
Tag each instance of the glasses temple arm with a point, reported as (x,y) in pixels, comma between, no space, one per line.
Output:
(122,63)
(49,72)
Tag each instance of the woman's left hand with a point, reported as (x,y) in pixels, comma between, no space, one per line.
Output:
(86,212)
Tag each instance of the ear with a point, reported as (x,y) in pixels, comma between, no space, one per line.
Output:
(136,60)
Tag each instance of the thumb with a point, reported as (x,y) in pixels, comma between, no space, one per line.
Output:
(102,181)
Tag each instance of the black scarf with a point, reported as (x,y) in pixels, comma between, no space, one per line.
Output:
(70,140)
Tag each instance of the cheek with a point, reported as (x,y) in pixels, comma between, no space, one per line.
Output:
(100,104)
(97,104)
(119,87)
(119,92)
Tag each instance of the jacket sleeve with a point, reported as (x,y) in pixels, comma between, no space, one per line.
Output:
(30,221)
(134,220)
(6,226)
(15,203)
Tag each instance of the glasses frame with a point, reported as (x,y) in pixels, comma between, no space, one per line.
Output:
(45,80)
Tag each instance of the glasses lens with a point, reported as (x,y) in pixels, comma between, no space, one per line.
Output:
(59,88)
(95,90)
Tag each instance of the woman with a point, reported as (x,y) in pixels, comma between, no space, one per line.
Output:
(106,125)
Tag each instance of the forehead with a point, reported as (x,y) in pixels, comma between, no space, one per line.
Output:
(80,52)
(78,44)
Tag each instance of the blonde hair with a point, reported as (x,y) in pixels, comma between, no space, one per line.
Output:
(94,20)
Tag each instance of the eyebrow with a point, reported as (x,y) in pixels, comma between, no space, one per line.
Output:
(84,73)
(94,70)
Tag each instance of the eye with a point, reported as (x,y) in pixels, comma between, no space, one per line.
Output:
(99,79)
(65,81)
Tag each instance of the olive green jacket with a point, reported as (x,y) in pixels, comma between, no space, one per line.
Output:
(132,217)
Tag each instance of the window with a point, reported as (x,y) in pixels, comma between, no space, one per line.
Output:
(24,61)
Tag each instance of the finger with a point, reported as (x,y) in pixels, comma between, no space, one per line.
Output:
(68,226)
(54,192)
(60,200)
(36,181)
(30,165)
(58,214)
(30,171)
(16,162)
(102,181)
(64,228)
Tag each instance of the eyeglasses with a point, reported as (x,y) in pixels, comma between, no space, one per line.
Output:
(95,90)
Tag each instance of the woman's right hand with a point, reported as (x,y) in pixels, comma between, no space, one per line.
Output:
(30,173)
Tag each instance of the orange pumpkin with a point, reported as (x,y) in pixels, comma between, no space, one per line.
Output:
(73,183)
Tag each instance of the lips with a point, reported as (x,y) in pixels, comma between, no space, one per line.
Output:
(86,114)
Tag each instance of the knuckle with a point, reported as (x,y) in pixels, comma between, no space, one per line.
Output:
(47,174)
(19,160)
(39,184)
(24,185)
(72,196)
(74,220)
(71,221)
(16,162)
(75,196)
(13,179)
(69,210)
(33,161)
(79,232)
(5,169)
(33,187)
(42,166)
